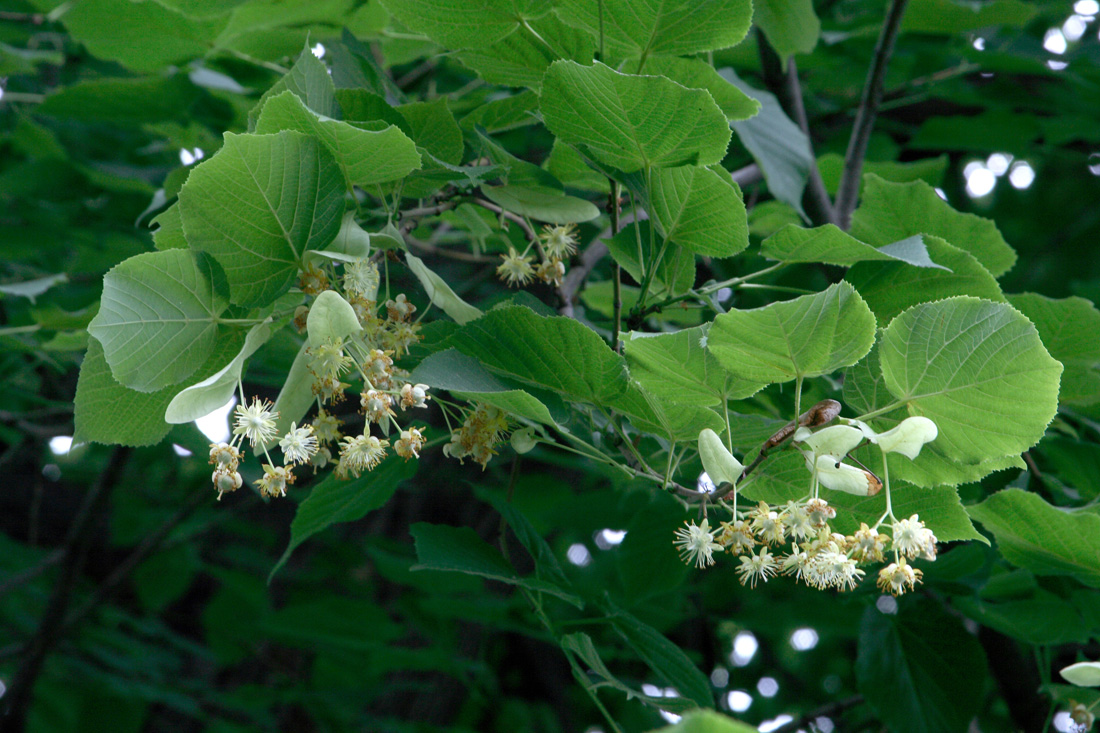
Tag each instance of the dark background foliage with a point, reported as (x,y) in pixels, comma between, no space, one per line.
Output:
(165,620)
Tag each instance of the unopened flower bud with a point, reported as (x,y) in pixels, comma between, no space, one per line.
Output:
(524,440)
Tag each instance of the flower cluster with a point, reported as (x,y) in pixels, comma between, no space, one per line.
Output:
(796,538)
(386,333)
(483,428)
(256,423)
(559,242)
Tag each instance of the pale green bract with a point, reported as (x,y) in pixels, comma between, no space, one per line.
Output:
(331,319)
(216,390)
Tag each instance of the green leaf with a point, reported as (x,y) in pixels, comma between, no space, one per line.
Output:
(678,367)
(365,157)
(211,393)
(296,395)
(994,129)
(698,74)
(1076,464)
(123,101)
(440,292)
(939,507)
(433,127)
(600,298)
(1068,328)
(141,36)
(647,561)
(504,113)
(169,231)
(541,203)
(1044,619)
(976,368)
(706,721)
(929,170)
(889,212)
(833,246)
(644,28)
(546,564)
(920,670)
(679,422)
(776,143)
(663,657)
(1044,539)
(158,317)
(107,412)
(699,209)
(465,377)
(571,169)
(331,318)
(809,336)
(865,391)
(308,80)
(632,122)
(334,500)
(945,17)
(675,273)
(521,59)
(790,25)
(458,24)
(460,550)
(519,172)
(258,205)
(891,287)
(31,289)
(556,353)
(582,646)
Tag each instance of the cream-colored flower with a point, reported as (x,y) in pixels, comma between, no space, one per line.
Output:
(361,453)
(299,444)
(515,268)
(758,567)
(256,422)
(559,241)
(696,544)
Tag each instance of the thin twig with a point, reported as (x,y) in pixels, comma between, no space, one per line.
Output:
(414,75)
(785,86)
(848,191)
(18,700)
(588,259)
(519,220)
(410,219)
(747,176)
(32,572)
(617,305)
(829,710)
(432,249)
(32,18)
